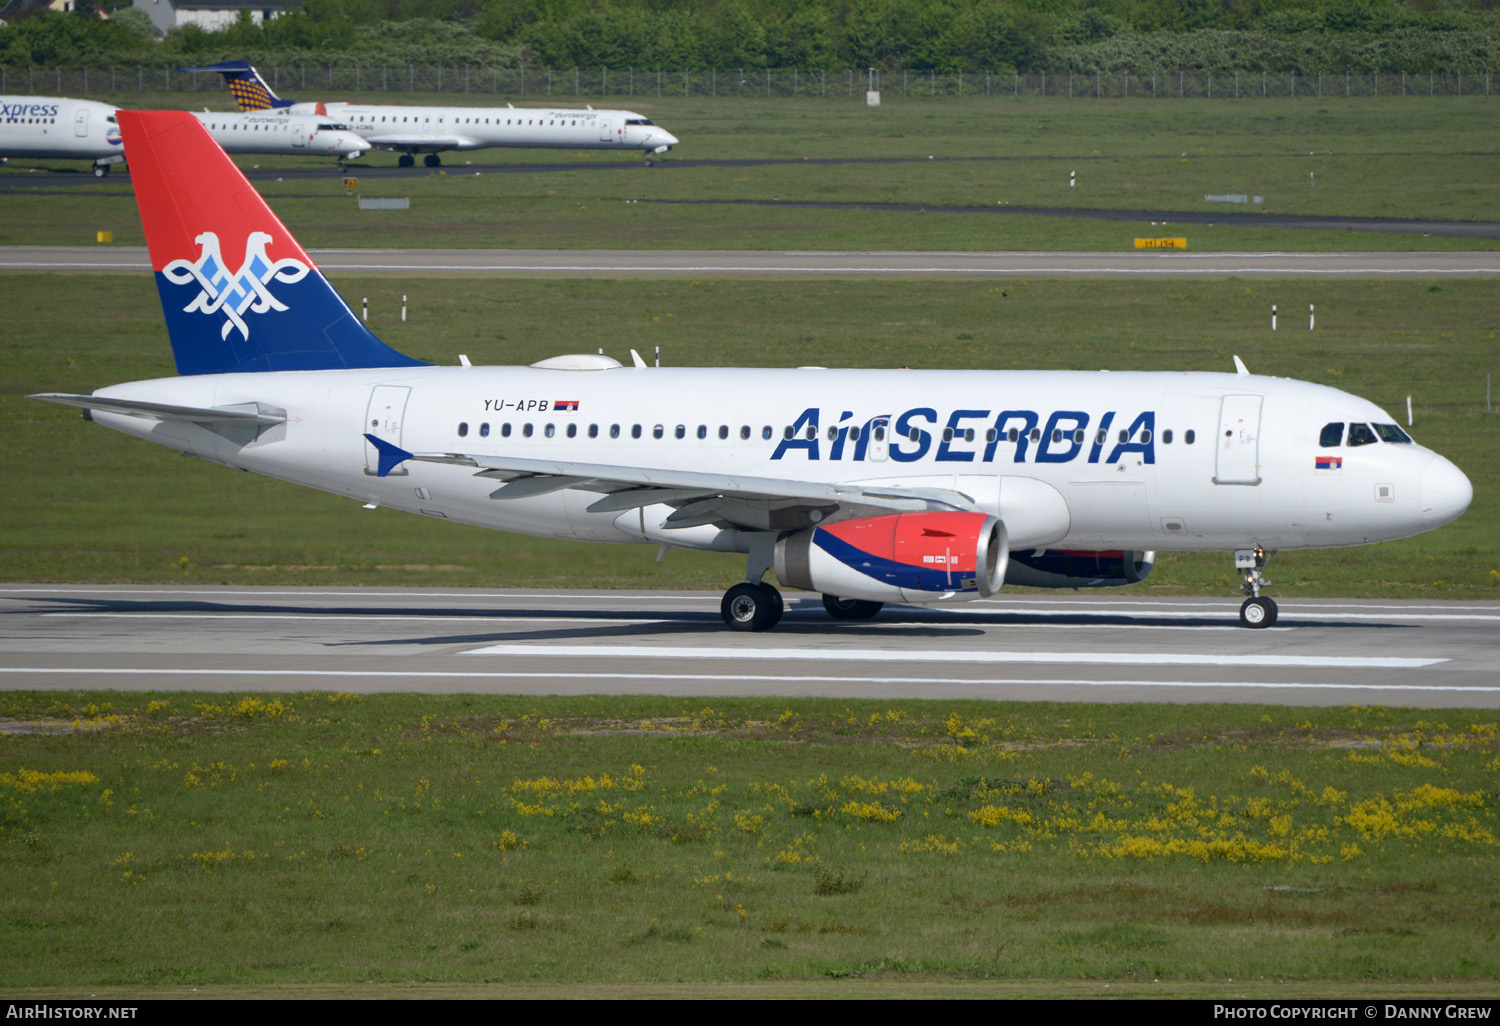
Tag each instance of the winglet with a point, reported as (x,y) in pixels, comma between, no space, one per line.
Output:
(391,456)
(1239,366)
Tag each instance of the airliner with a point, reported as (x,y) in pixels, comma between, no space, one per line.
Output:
(55,127)
(431,130)
(867,486)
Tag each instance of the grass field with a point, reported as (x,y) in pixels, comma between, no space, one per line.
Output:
(153,843)
(98,506)
(1408,158)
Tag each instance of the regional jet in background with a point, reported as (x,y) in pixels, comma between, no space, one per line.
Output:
(431,130)
(868,486)
(57,128)
(53,127)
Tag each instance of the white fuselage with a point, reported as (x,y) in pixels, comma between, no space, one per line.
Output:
(51,127)
(431,129)
(290,134)
(1100,461)
(55,127)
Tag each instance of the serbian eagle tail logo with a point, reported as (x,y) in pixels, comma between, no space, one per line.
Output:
(239,293)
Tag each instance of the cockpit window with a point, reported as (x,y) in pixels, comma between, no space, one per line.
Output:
(1332,434)
(1392,433)
(638,121)
(1360,434)
(335,127)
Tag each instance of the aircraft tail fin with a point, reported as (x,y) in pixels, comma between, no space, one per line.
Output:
(245,84)
(239,293)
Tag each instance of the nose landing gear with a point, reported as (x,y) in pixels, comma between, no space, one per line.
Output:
(1256,611)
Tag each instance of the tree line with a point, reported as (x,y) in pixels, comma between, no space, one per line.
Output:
(943,36)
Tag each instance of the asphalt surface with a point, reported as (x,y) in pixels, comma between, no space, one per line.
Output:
(1072,647)
(1132,264)
(43,181)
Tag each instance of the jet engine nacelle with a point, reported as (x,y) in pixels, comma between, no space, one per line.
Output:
(1072,568)
(899,557)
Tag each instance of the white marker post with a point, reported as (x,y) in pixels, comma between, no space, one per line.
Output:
(1072,176)
(403,309)
(1273,316)
(364,309)
(1310,317)
(1408,411)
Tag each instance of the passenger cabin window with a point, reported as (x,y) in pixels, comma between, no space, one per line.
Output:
(505,430)
(463,429)
(1360,434)
(484,431)
(1189,436)
(526,430)
(1332,434)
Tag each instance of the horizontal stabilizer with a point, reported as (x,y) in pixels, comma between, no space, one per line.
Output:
(250,414)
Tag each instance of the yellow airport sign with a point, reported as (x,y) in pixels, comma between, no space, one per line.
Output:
(106,236)
(1161,243)
(350,183)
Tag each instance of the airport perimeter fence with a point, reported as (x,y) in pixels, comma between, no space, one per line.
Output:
(308,81)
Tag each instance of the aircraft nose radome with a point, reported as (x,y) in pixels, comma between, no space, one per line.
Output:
(1446,492)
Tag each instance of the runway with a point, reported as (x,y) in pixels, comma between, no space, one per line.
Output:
(700,263)
(1069,647)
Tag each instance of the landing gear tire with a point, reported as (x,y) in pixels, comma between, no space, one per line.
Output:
(1258,612)
(432,160)
(100,170)
(751,607)
(406,160)
(850,609)
(649,162)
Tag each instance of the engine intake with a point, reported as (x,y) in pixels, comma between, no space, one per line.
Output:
(899,557)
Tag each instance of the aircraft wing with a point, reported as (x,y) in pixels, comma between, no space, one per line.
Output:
(414,140)
(243,414)
(735,500)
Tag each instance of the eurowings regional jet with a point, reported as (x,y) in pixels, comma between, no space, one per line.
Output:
(54,127)
(431,130)
(868,486)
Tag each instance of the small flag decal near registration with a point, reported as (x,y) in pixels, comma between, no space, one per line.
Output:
(1328,464)
(565,405)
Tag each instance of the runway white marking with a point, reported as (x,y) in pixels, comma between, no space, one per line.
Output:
(581,620)
(362,617)
(739,677)
(946,656)
(1165,271)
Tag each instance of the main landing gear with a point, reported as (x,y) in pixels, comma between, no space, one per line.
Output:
(751,607)
(432,160)
(850,609)
(1256,610)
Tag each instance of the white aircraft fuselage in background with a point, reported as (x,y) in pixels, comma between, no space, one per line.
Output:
(866,485)
(413,130)
(57,127)
(410,130)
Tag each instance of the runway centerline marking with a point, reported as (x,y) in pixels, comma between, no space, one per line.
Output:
(947,656)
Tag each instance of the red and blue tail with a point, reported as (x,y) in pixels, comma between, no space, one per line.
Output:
(238,291)
(245,85)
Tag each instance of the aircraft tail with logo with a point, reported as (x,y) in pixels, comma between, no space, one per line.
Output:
(250,91)
(239,293)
